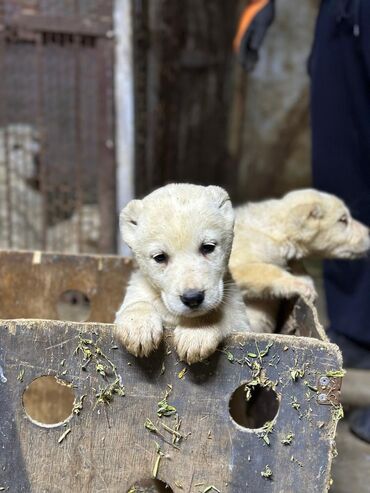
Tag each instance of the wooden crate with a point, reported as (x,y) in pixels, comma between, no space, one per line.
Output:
(105,447)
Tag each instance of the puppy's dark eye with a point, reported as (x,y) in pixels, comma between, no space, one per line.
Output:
(207,248)
(344,219)
(160,258)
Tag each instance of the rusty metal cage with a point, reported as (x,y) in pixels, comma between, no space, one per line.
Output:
(57,163)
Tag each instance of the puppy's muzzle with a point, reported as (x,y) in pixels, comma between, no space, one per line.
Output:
(192,298)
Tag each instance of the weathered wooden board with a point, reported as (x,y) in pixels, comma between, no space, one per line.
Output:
(31,283)
(108,448)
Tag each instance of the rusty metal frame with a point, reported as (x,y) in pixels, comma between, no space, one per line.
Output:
(32,26)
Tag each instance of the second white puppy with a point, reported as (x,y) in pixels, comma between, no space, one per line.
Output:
(272,237)
(181,236)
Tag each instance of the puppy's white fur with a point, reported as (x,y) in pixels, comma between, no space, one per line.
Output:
(273,236)
(176,220)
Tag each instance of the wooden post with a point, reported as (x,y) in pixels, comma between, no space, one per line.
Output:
(182,58)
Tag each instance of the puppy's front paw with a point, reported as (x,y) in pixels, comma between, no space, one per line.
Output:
(193,345)
(139,329)
(302,286)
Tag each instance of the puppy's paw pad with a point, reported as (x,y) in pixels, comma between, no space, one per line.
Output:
(140,331)
(194,345)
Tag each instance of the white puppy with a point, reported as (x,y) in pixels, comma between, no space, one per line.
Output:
(181,236)
(272,237)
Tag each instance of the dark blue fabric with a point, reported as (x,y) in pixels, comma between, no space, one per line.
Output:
(340,116)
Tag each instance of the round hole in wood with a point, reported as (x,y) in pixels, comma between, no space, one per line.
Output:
(48,401)
(74,306)
(253,406)
(150,486)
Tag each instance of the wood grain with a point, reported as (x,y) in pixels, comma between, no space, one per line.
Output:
(109,449)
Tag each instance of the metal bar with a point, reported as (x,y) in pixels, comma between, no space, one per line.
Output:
(140,20)
(63,25)
(124,106)
(8,189)
(7,178)
(41,128)
(78,146)
(106,159)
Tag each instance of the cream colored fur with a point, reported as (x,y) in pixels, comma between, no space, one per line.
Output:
(176,220)
(272,237)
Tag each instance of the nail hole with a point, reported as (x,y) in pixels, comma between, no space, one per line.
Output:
(48,401)
(74,306)
(150,486)
(262,406)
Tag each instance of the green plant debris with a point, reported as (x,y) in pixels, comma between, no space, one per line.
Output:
(63,436)
(165,409)
(267,473)
(149,425)
(133,489)
(249,389)
(287,440)
(91,351)
(20,375)
(63,382)
(179,485)
(296,461)
(256,369)
(163,369)
(295,404)
(106,394)
(337,413)
(296,373)
(101,369)
(258,379)
(262,354)
(334,450)
(229,355)
(62,363)
(78,405)
(157,462)
(211,488)
(104,367)
(259,354)
(336,373)
(181,373)
(266,431)
(176,435)
(84,347)
(310,386)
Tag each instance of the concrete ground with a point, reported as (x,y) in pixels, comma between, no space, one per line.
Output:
(352,466)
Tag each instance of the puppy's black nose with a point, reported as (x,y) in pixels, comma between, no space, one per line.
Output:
(192,298)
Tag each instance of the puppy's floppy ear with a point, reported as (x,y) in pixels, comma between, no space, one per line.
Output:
(305,219)
(129,219)
(308,211)
(221,197)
